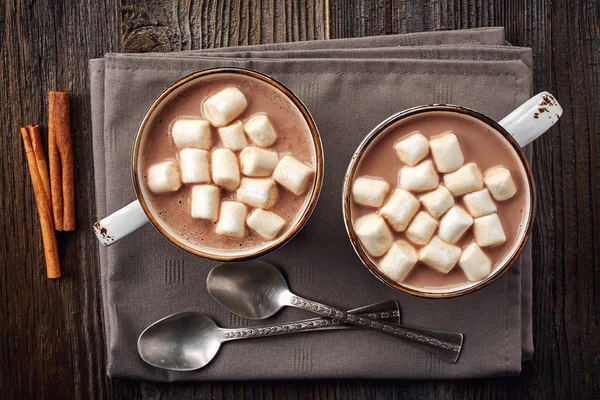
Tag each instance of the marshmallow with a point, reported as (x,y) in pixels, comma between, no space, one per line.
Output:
(194,166)
(439,255)
(225,170)
(223,107)
(500,183)
(266,223)
(260,130)
(421,229)
(164,177)
(187,132)
(454,224)
(399,261)
(232,136)
(370,192)
(374,234)
(488,231)
(479,203)
(292,174)
(258,162)
(412,148)
(255,192)
(205,202)
(475,263)
(446,152)
(437,202)
(421,178)
(464,180)
(399,209)
(232,219)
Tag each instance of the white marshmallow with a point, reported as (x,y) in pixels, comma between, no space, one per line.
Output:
(399,209)
(256,192)
(421,178)
(225,169)
(260,130)
(479,203)
(266,223)
(205,202)
(464,180)
(488,231)
(232,219)
(437,202)
(370,192)
(187,132)
(399,261)
(258,162)
(412,148)
(194,166)
(475,263)
(224,106)
(439,255)
(374,234)
(446,152)
(293,174)
(164,177)
(500,183)
(454,224)
(232,136)
(421,229)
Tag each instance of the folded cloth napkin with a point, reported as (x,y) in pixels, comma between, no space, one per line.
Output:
(349,85)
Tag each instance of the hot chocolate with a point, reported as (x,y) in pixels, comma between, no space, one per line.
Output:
(438,200)
(228,164)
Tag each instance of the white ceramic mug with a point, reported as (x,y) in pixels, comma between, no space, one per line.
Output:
(519,128)
(139,213)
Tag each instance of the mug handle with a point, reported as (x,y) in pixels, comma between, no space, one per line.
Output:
(531,119)
(120,223)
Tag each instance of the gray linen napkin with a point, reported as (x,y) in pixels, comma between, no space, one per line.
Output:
(349,88)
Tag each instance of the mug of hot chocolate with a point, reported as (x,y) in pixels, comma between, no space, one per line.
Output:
(227,165)
(438,200)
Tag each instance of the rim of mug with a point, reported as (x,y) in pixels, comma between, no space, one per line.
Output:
(351,172)
(316,187)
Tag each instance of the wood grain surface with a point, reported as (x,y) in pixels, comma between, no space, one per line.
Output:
(51,337)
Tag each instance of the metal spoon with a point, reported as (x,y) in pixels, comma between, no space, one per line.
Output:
(189,340)
(257,290)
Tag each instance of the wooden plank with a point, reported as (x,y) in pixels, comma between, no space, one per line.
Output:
(154,25)
(51,341)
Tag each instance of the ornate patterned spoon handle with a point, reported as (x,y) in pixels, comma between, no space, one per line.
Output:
(445,345)
(314,324)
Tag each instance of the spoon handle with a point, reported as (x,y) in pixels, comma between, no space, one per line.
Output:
(306,325)
(443,344)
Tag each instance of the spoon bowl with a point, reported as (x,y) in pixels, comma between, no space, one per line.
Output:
(180,342)
(251,289)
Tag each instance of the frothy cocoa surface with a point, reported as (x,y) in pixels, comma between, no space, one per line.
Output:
(294,138)
(479,145)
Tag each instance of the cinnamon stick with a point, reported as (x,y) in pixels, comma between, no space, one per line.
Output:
(60,154)
(40,158)
(35,157)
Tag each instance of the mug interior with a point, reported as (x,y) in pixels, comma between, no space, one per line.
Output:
(143,192)
(524,174)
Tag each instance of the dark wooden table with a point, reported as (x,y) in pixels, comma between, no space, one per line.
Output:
(51,337)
